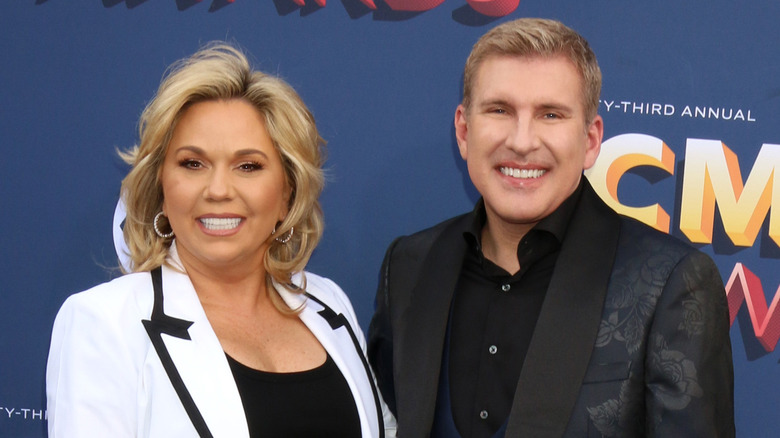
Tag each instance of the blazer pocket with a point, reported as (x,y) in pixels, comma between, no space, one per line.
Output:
(607,372)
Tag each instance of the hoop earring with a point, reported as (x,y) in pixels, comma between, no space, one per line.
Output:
(286,238)
(157,229)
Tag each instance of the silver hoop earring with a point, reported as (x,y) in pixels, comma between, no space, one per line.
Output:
(286,238)
(157,228)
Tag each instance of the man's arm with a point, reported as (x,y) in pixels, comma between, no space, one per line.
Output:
(380,336)
(690,376)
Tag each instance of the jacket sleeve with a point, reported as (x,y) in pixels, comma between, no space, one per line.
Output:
(690,377)
(89,374)
(380,336)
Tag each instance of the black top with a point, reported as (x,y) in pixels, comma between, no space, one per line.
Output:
(313,403)
(493,318)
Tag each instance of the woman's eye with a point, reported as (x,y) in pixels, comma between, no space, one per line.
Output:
(190,164)
(250,166)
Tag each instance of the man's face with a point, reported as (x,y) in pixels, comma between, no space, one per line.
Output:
(525,137)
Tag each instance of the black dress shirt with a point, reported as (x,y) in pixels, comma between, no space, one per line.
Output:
(493,318)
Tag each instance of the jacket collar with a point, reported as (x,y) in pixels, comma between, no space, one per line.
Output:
(568,324)
(424,329)
(200,360)
(203,366)
(563,339)
(341,341)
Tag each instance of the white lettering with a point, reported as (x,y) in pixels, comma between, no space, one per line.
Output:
(25,414)
(667,110)
(713,113)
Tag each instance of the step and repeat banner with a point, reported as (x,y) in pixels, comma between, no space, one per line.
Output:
(691,103)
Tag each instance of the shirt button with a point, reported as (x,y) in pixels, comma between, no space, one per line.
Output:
(483,414)
(493,349)
(505,287)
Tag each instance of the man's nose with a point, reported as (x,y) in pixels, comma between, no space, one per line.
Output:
(522,136)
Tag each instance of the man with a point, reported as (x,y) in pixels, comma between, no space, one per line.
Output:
(543,313)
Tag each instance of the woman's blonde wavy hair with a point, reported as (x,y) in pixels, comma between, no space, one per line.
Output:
(220,71)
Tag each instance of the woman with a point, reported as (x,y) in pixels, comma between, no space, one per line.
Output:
(218,331)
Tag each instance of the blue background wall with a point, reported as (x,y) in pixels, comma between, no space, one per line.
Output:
(383,86)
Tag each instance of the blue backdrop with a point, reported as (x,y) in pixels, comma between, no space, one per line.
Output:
(383,85)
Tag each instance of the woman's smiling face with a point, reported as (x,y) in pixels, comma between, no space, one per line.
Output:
(224,185)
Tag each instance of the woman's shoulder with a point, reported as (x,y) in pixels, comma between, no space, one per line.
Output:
(326,290)
(106,317)
(120,295)
(318,283)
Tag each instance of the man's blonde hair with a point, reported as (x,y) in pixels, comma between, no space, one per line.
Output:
(536,37)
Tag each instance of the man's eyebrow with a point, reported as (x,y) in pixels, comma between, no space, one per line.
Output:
(497,101)
(555,106)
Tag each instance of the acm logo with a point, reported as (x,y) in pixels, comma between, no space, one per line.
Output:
(711,176)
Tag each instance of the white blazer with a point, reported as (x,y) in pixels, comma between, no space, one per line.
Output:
(105,378)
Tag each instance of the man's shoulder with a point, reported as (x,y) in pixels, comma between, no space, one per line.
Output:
(632,233)
(641,244)
(638,232)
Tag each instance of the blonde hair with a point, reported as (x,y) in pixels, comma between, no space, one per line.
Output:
(216,72)
(537,37)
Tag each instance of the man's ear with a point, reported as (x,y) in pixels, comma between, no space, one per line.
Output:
(461,130)
(593,136)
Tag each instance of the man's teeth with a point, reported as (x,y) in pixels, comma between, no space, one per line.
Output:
(522,173)
(214,223)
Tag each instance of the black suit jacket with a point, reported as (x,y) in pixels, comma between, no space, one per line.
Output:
(632,339)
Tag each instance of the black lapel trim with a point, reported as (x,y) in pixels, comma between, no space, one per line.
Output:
(563,340)
(339,320)
(161,323)
(418,351)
